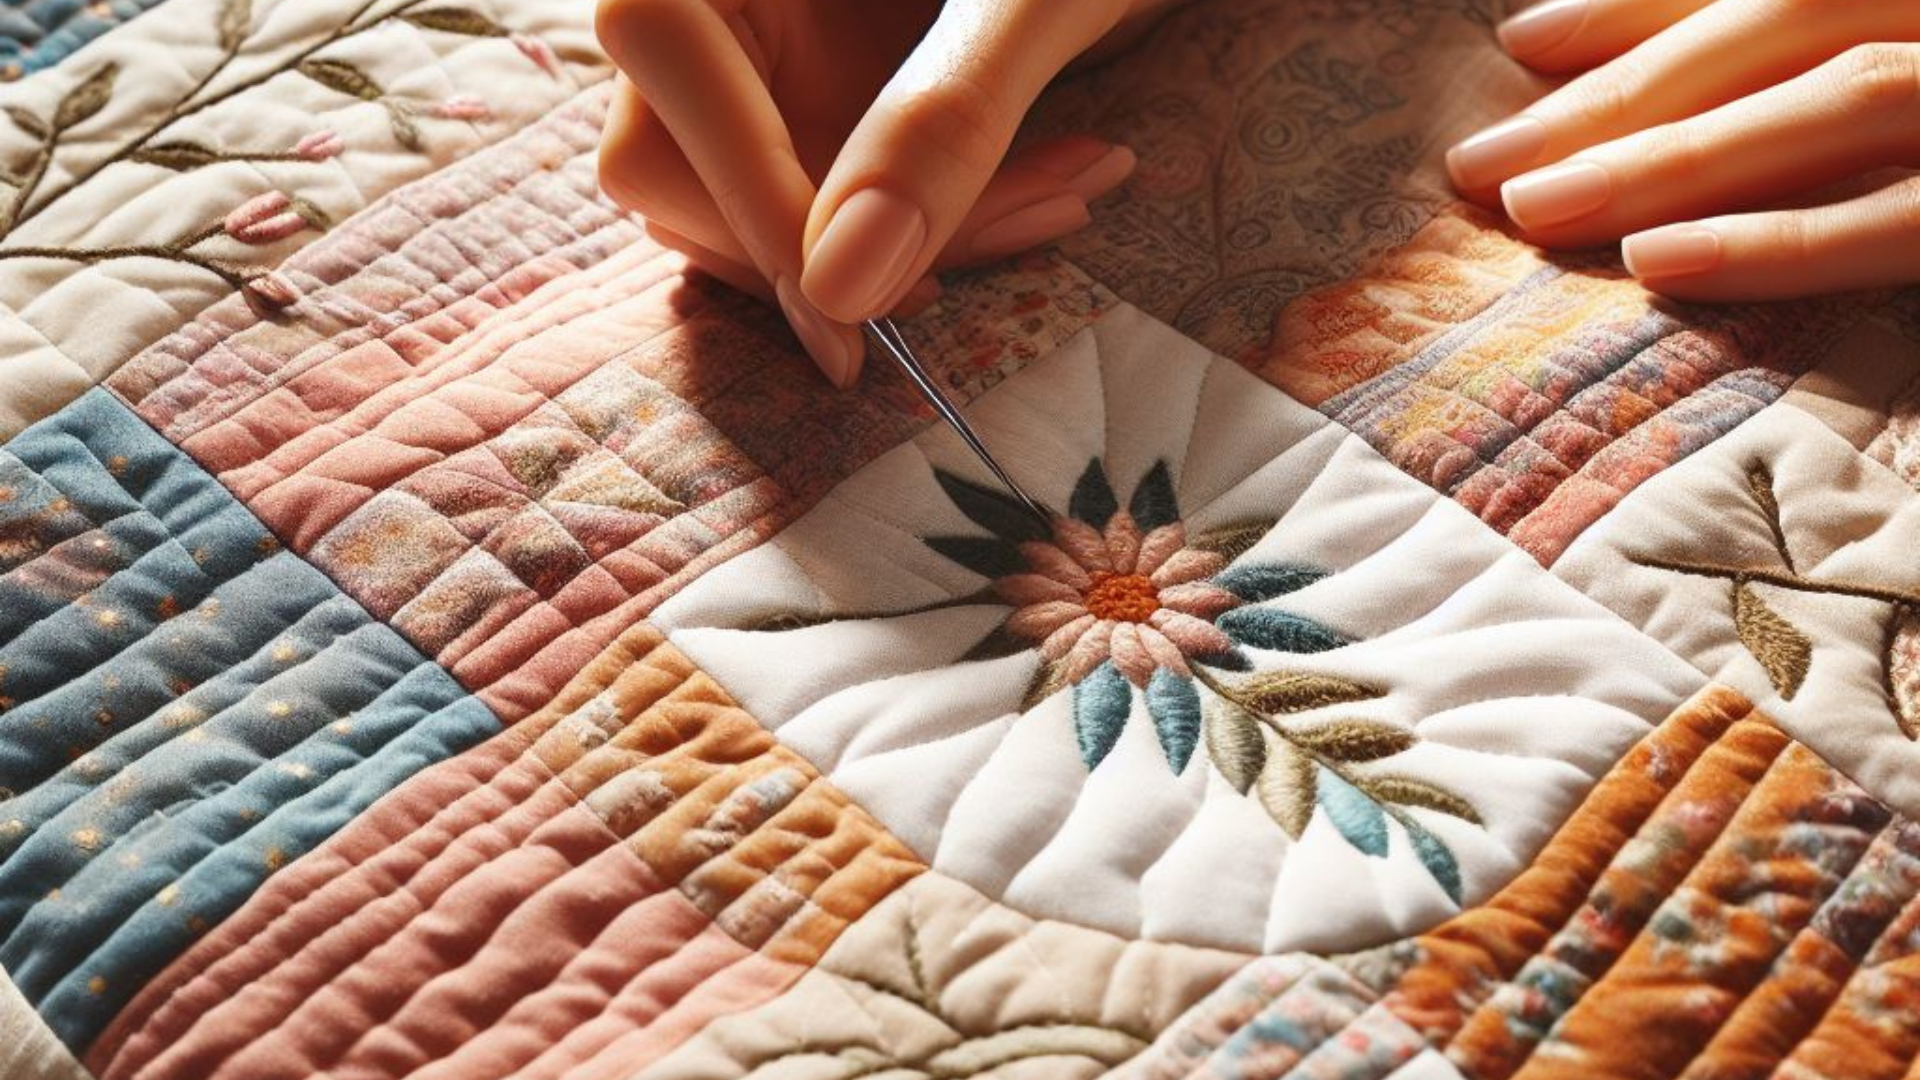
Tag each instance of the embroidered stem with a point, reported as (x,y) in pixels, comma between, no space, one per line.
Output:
(234,277)
(1785,580)
(41,159)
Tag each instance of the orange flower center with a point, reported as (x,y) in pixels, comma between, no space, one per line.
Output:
(1122,597)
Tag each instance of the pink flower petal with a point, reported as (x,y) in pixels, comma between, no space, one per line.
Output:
(1191,636)
(1123,542)
(319,145)
(1190,564)
(1130,655)
(1082,543)
(1093,648)
(1036,622)
(1064,639)
(1044,558)
(1022,590)
(1158,546)
(538,51)
(260,219)
(1164,652)
(1202,600)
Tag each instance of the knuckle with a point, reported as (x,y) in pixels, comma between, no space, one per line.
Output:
(1675,148)
(1879,79)
(1606,99)
(1790,239)
(964,120)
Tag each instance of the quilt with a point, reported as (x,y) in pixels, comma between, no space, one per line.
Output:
(444,635)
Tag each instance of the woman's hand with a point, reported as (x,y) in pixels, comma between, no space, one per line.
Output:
(1693,123)
(828,154)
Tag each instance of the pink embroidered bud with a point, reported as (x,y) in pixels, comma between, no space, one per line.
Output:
(272,289)
(264,219)
(539,52)
(463,107)
(319,145)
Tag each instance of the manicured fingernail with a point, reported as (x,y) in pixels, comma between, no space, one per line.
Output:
(1029,226)
(1107,172)
(1503,150)
(827,344)
(1540,28)
(1557,195)
(1671,251)
(865,251)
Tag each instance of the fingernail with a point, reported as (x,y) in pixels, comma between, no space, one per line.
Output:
(862,255)
(1107,172)
(1672,251)
(1031,225)
(1540,28)
(1506,149)
(1556,195)
(824,341)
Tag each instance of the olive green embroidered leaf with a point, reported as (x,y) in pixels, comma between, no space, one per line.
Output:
(178,156)
(456,21)
(1233,540)
(1780,647)
(1154,503)
(342,77)
(1093,500)
(1279,692)
(1050,679)
(795,620)
(994,511)
(87,98)
(27,122)
(405,131)
(236,16)
(1235,742)
(1437,857)
(1288,790)
(1354,740)
(1760,482)
(1406,791)
(312,214)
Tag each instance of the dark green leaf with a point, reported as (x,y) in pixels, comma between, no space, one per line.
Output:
(178,156)
(1354,740)
(1404,791)
(1437,857)
(1255,582)
(1357,817)
(1233,540)
(1288,789)
(1236,743)
(999,643)
(1269,628)
(1231,660)
(1279,692)
(456,21)
(994,511)
(27,122)
(87,98)
(1093,500)
(1154,503)
(1174,705)
(342,77)
(236,16)
(986,556)
(1101,702)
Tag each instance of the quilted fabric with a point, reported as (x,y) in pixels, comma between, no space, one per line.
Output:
(444,635)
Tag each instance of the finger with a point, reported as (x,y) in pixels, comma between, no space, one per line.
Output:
(1725,51)
(691,67)
(1038,196)
(1865,243)
(726,267)
(1853,114)
(1561,36)
(644,170)
(922,155)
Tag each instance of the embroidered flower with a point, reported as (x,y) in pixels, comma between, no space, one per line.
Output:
(319,145)
(538,51)
(265,219)
(463,107)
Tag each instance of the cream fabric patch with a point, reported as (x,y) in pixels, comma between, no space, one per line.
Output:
(1260,691)
(28,1048)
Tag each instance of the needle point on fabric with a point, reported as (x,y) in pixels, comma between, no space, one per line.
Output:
(887,336)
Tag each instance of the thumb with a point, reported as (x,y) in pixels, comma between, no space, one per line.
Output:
(920,157)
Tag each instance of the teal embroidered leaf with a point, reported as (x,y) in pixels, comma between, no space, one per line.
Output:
(988,557)
(456,21)
(235,17)
(1270,628)
(1354,740)
(1174,705)
(87,98)
(1358,818)
(178,156)
(1101,702)
(1437,857)
(993,511)
(1780,647)
(342,77)
(1093,500)
(1278,692)
(1255,582)
(1154,503)
(1236,743)
(1232,660)
(1232,540)
(1405,791)
(27,122)
(1288,789)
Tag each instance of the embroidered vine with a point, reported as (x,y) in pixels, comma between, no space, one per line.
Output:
(234,23)
(1780,647)
(1123,604)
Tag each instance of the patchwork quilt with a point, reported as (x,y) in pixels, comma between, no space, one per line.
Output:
(441,635)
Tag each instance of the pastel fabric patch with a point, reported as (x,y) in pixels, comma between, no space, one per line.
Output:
(1260,692)
(937,980)
(187,708)
(1780,562)
(574,897)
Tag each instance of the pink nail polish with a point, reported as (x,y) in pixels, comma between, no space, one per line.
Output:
(1107,172)
(825,342)
(1504,150)
(1672,251)
(1542,27)
(1030,226)
(861,257)
(1557,195)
